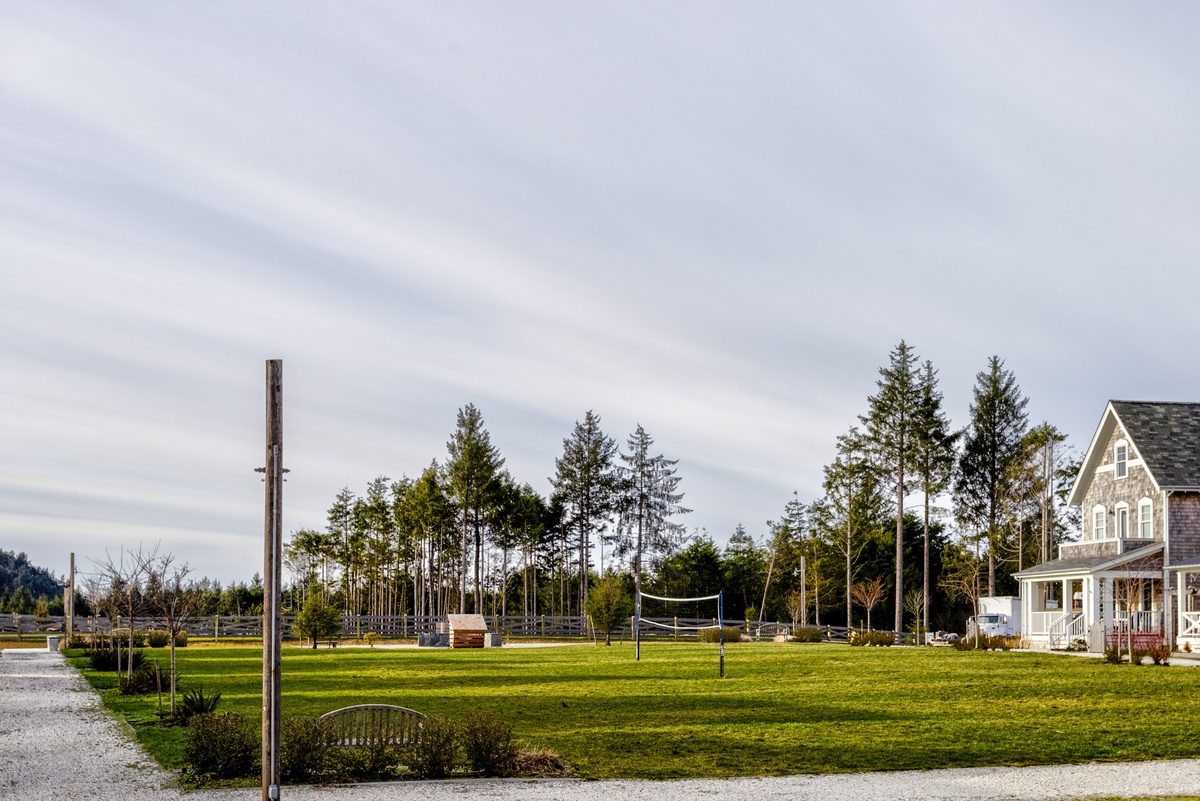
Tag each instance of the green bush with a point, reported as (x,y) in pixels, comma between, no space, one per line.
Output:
(713,634)
(882,638)
(1113,654)
(224,746)
(121,636)
(304,745)
(194,703)
(807,634)
(435,752)
(1136,655)
(367,762)
(143,679)
(104,658)
(181,640)
(78,641)
(156,638)
(487,744)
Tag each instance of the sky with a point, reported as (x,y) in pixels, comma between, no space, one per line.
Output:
(712,219)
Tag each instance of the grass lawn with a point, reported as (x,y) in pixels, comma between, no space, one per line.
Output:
(782,708)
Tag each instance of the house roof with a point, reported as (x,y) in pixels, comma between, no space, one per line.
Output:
(1193,562)
(1089,564)
(1165,435)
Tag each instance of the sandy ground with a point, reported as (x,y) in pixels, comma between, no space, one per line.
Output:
(56,742)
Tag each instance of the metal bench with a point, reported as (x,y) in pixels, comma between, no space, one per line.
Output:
(373,725)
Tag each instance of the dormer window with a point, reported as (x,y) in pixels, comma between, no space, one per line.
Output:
(1121,519)
(1121,457)
(1099,517)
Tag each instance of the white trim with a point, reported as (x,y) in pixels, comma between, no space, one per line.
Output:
(1121,466)
(1118,509)
(1102,530)
(1106,468)
(1145,503)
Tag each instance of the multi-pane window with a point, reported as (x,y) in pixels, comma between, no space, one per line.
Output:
(1122,459)
(1145,518)
(1121,519)
(1099,517)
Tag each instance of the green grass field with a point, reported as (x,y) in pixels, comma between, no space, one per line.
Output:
(783,708)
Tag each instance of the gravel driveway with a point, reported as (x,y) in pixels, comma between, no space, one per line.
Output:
(56,742)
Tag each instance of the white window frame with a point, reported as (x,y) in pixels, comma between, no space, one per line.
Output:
(1120,466)
(1145,521)
(1121,515)
(1099,523)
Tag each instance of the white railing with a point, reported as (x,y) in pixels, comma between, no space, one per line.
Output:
(1191,624)
(1043,622)
(1066,629)
(1138,621)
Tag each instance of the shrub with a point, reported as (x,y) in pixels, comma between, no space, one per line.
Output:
(104,658)
(1187,647)
(181,640)
(370,638)
(980,642)
(1008,643)
(807,634)
(1136,655)
(156,638)
(435,753)
(194,703)
(540,763)
(143,680)
(77,641)
(487,744)
(1113,654)
(883,638)
(378,761)
(1160,654)
(121,636)
(713,634)
(304,745)
(222,746)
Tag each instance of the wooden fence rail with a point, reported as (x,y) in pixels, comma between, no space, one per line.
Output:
(246,626)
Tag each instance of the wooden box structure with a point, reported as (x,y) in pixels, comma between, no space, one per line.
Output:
(467,631)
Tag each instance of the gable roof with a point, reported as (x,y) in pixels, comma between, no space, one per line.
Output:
(1090,564)
(1166,436)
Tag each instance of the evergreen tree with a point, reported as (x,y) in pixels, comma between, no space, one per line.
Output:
(934,463)
(893,430)
(853,505)
(473,470)
(992,442)
(609,606)
(648,501)
(585,481)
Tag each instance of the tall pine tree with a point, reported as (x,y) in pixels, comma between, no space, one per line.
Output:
(585,480)
(473,471)
(892,434)
(934,463)
(648,500)
(993,441)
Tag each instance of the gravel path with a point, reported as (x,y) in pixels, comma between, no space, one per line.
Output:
(56,742)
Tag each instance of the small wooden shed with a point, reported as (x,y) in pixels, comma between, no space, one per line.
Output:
(467,631)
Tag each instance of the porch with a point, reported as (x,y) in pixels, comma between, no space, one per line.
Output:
(1188,622)
(1089,603)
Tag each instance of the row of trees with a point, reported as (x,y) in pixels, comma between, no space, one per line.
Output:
(1006,483)
(464,535)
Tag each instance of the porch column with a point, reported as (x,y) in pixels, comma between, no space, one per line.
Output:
(1091,600)
(1106,602)
(1168,621)
(1068,597)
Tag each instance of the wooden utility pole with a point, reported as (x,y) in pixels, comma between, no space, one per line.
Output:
(69,602)
(272,566)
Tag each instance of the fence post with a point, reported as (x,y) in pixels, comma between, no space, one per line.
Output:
(543,627)
(677,628)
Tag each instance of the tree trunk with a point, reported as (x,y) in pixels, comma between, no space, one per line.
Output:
(900,557)
(925,574)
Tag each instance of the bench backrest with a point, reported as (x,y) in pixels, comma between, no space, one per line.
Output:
(368,725)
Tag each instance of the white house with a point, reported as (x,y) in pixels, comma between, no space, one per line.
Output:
(1137,565)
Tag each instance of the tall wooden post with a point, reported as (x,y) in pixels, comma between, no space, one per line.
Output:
(69,602)
(272,566)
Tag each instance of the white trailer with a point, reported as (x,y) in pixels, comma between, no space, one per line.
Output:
(999,616)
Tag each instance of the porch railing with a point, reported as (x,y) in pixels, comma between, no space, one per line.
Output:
(1069,627)
(1191,624)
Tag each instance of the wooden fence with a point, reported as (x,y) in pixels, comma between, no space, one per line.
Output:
(550,626)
